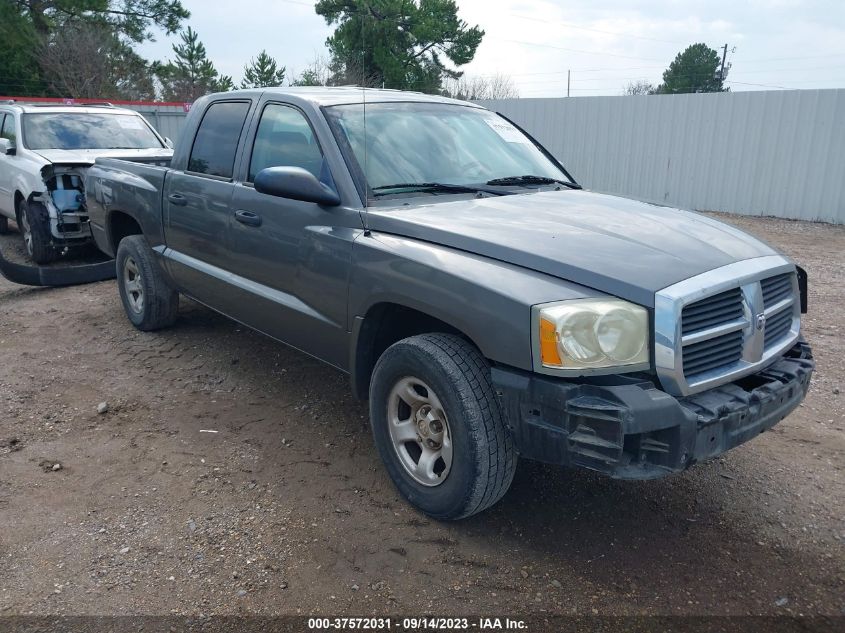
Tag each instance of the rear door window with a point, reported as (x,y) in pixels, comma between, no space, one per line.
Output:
(216,142)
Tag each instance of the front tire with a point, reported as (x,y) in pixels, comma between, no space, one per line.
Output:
(34,224)
(150,302)
(438,426)
(4,225)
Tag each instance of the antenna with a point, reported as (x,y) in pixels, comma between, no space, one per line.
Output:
(364,107)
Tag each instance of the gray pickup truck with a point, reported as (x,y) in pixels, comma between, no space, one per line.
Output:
(486,305)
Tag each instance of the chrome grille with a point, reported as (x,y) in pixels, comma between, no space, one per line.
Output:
(776,289)
(724,324)
(777,327)
(721,308)
(712,353)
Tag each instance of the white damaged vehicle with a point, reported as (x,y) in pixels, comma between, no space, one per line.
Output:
(44,151)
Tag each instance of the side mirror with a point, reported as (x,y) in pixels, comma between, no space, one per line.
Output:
(295,183)
(168,143)
(7,147)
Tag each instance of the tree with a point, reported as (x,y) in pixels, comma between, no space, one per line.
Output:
(19,44)
(639,87)
(88,61)
(191,75)
(37,47)
(317,73)
(397,43)
(694,70)
(475,88)
(263,71)
(128,18)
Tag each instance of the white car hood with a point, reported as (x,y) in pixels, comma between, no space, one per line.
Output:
(88,156)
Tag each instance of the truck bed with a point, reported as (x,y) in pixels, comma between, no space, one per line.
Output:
(134,187)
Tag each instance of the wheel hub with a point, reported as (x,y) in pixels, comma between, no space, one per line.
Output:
(419,431)
(27,233)
(133,286)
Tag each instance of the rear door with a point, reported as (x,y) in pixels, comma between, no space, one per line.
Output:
(197,204)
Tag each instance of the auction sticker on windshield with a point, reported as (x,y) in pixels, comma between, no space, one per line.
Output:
(130,123)
(507,131)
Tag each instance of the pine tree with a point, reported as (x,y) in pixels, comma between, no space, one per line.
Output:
(403,44)
(262,72)
(191,74)
(696,69)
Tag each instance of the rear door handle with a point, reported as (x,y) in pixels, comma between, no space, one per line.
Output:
(178,199)
(248,217)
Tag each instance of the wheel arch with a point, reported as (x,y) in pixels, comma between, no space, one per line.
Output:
(120,224)
(384,324)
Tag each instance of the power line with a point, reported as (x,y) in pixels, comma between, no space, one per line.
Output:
(778,59)
(742,83)
(575,50)
(585,28)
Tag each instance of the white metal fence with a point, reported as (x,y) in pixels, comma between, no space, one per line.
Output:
(779,153)
(167,119)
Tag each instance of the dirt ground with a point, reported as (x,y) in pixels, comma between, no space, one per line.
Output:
(232,475)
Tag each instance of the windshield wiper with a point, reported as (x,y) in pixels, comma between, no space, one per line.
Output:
(511,181)
(383,190)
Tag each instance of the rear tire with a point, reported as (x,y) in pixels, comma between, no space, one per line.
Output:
(438,426)
(150,302)
(34,224)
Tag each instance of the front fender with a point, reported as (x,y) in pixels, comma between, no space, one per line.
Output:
(487,300)
(28,185)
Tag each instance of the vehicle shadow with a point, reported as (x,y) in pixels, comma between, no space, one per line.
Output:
(650,541)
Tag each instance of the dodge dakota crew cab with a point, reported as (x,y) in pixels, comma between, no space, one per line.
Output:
(486,305)
(44,151)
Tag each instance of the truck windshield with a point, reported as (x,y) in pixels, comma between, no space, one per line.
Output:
(72,130)
(438,143)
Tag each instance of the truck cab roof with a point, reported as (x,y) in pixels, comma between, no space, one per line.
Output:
(343,95)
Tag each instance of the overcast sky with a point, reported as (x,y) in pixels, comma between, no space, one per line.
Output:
(772,44)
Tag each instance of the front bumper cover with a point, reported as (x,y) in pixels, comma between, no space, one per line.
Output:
(629,429)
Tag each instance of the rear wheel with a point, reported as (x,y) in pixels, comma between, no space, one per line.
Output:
(438,426)
(150,302)
(34,224)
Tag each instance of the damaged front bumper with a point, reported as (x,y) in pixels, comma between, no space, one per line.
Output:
(630,429)
(65,202)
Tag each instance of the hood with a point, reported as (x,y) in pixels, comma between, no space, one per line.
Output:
(88,156)
(618,246)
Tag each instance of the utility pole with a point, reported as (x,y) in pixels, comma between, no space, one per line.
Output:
(722,70)
(568,73)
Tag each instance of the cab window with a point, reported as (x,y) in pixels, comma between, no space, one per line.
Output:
(216,142)
(284,139)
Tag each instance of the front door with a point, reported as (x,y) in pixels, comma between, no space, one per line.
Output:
(7,188)
(293,257)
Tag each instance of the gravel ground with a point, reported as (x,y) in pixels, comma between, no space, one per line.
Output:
(228,474)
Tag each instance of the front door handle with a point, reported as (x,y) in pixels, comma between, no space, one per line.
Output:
(178,199)
(248,217)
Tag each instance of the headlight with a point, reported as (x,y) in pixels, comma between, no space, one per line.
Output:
(591,334)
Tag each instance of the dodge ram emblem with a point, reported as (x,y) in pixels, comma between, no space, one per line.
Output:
(761,321)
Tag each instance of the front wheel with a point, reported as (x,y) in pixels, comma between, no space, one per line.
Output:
(150,302)
(34,224)
(438,426)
